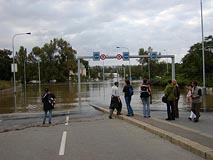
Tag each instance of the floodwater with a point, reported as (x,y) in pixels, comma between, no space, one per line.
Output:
(28,99)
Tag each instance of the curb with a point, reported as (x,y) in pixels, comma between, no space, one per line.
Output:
(32,115)
(192,146)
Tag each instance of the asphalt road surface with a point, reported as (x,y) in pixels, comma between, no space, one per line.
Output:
(93,137)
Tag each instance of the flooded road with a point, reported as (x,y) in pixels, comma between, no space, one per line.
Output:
(29,99)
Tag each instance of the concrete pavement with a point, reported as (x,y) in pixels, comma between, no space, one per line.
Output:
(195,137)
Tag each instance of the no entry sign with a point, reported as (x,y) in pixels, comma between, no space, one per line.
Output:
(103,56)
(119,56)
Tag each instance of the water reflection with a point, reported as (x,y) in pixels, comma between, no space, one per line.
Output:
(29,99)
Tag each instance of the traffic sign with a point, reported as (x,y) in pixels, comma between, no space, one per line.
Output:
(119,56)
(125,56)
(103,56)
(153,56)
(96,56)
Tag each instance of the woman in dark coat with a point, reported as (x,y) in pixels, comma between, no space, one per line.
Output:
(48,100)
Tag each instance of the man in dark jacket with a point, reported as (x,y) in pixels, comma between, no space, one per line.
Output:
(48,100)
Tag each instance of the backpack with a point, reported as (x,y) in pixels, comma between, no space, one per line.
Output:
(131,91)
(145,93)
(51,99)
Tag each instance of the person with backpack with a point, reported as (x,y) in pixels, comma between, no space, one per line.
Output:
(128,92)
(145,98)
(48,100)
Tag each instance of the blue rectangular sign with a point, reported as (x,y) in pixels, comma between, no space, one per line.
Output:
(125,56)
(96,56)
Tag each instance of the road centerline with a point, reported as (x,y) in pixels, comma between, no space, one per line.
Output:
(63,143)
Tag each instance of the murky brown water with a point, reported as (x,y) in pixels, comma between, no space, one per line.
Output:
(67,97)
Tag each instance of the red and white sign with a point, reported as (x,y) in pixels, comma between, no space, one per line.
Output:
(103,56)
(119,56)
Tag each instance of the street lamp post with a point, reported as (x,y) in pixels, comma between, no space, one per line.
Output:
(124,70)
(39,74)
(130,72)
(167,67)
(149,52)
(25,74)
(14,73)
(203,55)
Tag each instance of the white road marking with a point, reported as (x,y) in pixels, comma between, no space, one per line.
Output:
(63,143)
(67,120)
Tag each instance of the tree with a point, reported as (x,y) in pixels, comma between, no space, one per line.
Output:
(56,60)
(192,63)
(156,68)
(21,58)
(5,64)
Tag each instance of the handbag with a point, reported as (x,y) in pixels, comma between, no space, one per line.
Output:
(164,99)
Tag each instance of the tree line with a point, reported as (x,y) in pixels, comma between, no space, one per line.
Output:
(57,60)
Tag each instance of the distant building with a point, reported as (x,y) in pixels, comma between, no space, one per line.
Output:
(83,71)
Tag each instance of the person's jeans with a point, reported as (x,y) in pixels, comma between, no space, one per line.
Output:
(45,116)
(129,108)
(170,110)
(146,106)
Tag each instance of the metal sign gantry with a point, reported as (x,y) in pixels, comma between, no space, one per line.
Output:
(152,56)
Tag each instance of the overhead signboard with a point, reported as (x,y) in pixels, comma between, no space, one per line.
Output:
(153,55)
(103,56)
(125,56)
(96,56)
(119,56)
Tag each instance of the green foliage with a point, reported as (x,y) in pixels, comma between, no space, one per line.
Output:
(5,84)
(56,60)
(192,63)
(190,69)
(5,64)
(21,58)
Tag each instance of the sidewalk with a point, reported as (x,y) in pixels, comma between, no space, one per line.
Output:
(195,137)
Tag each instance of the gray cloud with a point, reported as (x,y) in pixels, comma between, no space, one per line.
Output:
(101,25)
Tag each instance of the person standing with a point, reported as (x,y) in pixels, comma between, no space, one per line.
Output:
(48,100)
(196,100)
(115,100)
(145,98)
(189,94)
(128,92)
(169,92)
(189,99)
(177,97)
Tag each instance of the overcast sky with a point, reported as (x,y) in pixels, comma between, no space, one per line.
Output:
(168,26)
